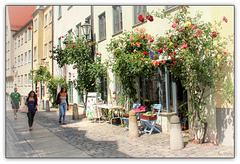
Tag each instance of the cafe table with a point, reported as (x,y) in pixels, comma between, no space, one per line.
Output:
(110,107)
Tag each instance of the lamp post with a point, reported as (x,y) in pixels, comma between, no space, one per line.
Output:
(87,31)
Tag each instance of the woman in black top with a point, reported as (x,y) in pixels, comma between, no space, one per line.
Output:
(31,102)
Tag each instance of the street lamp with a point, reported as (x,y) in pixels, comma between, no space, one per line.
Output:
(86,27)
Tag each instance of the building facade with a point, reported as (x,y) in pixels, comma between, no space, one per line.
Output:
(112,21)
(68,21)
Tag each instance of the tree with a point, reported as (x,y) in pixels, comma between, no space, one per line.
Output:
(78,52)
(41,75)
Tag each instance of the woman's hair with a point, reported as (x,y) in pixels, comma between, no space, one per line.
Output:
(62,89)
(34,96)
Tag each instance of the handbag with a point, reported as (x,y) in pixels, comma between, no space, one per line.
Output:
(24,109)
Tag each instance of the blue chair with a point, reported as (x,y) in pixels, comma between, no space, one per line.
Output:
(152,123)
(127,119)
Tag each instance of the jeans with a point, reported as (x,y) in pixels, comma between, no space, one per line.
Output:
(30,115)
(62,110)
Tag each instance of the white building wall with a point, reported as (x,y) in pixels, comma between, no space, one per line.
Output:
(71,17)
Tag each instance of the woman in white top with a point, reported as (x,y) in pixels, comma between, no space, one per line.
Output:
(62,100)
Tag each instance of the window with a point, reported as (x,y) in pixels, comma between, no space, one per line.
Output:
(22,39)
(102,26)
(29,79)
(25,36)
(15,43)
(70,32)
(78,30)
(25,80)
(25,59)
(18,61)
(21,59)
(46,19)
(59,12)
(35,53)
(137,11)
(21,80)
(15,63)
(18,81)
(59,42)
(35,25)
(45,51)
(19,41)
(29,56)
(117,18)
(51,16)
(29,34)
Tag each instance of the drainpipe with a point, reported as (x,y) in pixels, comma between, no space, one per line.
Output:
(52,38)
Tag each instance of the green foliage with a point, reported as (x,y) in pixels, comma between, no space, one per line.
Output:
(131,59)
(196,53)
(41,74)
(78,52)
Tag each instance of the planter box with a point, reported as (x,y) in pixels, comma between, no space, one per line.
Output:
(148,117)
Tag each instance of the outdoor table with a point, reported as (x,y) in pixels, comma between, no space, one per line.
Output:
(105,106)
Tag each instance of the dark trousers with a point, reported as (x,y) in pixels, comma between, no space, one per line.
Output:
(30,115)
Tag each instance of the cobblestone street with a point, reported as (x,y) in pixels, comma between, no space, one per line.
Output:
(101,140)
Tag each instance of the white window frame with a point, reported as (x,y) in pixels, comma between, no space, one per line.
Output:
(25,58)
(29,56)
(35,53)
(21,59)
(29,80)
(50,16)
(35,25)
(45,50)
(25,80)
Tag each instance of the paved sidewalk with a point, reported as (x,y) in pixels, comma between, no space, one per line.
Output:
(40,142)
(86,138)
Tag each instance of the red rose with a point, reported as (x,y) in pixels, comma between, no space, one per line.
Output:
(73,45)
(149,17)
(164,62)
(214,34)
(151,40)
(62,36)
(145,53)
(68,44)
(175,46)
(91,44)
(174,62)
(50,51)
(181,7)
(174,25)
(50,57)
(225,53)
(170,54)
(172,65)
(159,62)
(172,59)
(141,18)
(160,50)
(193,27)
(165,47)
(170,37)
(174,53)
(73,67)
(181,60)
(195,36)
(96,53)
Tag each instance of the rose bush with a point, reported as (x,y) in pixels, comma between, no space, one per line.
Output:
(195,54)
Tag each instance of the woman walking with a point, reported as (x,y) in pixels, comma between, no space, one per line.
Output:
(31,102)
(62,100)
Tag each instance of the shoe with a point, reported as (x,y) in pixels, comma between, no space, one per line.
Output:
(64,123)
(60,121)
(30,128)
(15,117)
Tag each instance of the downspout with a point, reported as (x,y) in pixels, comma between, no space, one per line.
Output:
(52,38)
